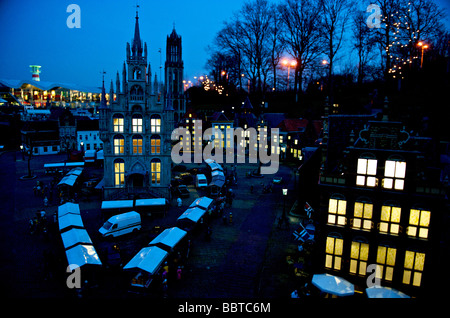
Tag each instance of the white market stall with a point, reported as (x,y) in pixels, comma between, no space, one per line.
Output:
(75,236)
(68,207)
(151,206)
(146,263)
(203,202)
(168,239)
(384,292)
(190,218)
(70,220)
(81,255)
(333,285)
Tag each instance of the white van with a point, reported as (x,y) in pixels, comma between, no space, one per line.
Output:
(200,181)
(121,224)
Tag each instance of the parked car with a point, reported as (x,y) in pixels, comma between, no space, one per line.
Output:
(179,168)
(182,191)
(185,178)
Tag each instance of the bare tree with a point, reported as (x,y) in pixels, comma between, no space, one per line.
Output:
(335,16)
(275,40)
(301,35)
(362,39)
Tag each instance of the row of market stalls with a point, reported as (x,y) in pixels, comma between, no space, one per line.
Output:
(77,243)
(147,262)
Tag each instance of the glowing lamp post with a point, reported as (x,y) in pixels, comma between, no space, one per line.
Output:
(423,47)
(287,63)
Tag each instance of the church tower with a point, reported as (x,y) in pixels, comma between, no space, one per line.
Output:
(174,75)
(136,130)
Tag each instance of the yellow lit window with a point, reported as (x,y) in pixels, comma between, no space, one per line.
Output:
(119,173)
(394,175)
(137,145)
(336,211)
(413,268)
(119,142)
(333,253)
(155,145)
(118,123)
(156,171)
(362,216)
(419,221)
(385,262)
(390,219)
(359,255)
(366,171)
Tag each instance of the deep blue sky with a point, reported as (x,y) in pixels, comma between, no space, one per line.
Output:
(35,32)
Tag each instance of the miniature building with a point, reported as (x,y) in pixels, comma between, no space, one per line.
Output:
(136,128)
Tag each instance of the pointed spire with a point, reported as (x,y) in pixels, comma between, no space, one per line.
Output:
(103,98)
(137,43)
(117,83)
(111,93)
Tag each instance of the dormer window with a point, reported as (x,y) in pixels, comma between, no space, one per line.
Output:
(366,171)
(394,174)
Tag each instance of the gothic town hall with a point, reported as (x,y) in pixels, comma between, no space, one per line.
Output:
(136,126)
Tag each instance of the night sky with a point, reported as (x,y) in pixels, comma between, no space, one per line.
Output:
(35,32)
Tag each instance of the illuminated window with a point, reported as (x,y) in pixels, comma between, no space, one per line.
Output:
(119,173)
(336,210)
(394,175)
(390,219)
(413,268)
(362,215)
(155,123)
(359,255)
(119,142)
(136,123)
(156,171)
(385,262)
(333,253)
(155,143)
(118,123)
(137,145)
(419,221)
(366,171)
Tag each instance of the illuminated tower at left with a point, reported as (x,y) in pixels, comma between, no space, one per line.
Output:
(136,128)
(35,71)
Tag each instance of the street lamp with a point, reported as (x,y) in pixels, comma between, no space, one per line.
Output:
(287,63)
(423,47)
(285,191)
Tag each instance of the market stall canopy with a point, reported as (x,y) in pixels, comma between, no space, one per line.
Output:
(333,285)
(148,259)
(384,292)
(150,202)
(117,204)
(169,238)
(68,207)
(74,237)
(203,202)
(80,255)
(68,180)
(192,214)
(75,171)
(70,220)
